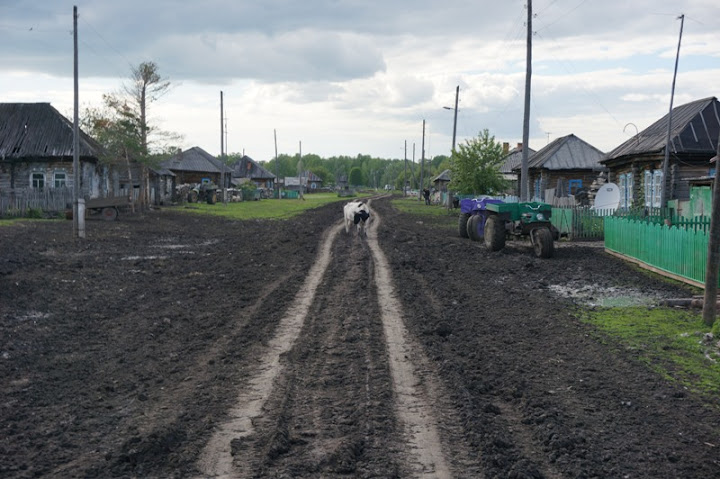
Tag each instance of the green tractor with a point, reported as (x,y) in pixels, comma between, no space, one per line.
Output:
(519,220)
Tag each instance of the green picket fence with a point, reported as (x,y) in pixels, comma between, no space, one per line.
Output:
(579,222)
(679,249)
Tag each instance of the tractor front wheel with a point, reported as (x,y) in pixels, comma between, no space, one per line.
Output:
(475,227)
(462,224)
(494,233)
(543,243)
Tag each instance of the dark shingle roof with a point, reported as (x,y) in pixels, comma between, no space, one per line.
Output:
(567,153)
(514,160)
(194,159)
(38,130)
(311,176)
(246,167)
(695,127)
(444,176)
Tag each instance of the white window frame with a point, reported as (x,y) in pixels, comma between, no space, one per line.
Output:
(37,179)
(657,188)
(649,191)
(626,187)
(60,179)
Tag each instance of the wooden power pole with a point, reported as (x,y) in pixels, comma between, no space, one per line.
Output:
(78,222)
(524,174)
(713,251)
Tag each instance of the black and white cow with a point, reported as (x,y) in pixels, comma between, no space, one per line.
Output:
(356,212)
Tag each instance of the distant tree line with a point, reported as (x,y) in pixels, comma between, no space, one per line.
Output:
(360,170)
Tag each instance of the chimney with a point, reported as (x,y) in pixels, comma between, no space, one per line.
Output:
(519,147)
(506,148)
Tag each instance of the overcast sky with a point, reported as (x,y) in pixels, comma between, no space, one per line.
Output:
(359,76)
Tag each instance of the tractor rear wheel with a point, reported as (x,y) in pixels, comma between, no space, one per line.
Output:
(475,227)
(543,245)
(494,233)
(462,224)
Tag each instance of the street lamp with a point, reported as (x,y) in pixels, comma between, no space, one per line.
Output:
(457,94)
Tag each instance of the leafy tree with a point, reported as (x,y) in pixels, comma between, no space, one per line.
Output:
(475,166)
(116,128)
(355,178)
(122,124)
(324,174)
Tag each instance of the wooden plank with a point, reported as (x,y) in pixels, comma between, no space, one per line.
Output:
(659,271)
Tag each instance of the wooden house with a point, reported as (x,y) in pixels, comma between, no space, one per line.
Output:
(636,166)
(196,166)
(310,180)
(247,169)
(512,159)
(441,181)
(564,166)
(36,152)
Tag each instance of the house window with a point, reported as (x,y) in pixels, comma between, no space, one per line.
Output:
(653,188)
(657,188)
(60,179)
(37,180)
(536,188)
(626,187)
(574,186)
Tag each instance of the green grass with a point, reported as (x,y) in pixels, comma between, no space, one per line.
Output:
(415,207)
(15,221)
(669,341)
(268,209)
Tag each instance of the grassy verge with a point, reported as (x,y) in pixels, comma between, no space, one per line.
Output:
(268,209)
(670,341)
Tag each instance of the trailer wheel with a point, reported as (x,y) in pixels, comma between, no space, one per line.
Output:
(543,243)
(475,227)
(462,224)
(109,213)
(494,233)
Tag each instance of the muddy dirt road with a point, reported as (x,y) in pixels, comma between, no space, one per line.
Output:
(179,346)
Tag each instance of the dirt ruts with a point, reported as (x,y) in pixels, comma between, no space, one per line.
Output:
(125,354)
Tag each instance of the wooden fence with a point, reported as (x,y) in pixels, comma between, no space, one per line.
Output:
(678,249)
(46,201)
(23,202)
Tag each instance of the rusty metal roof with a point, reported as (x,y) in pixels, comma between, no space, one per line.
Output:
(39,131)
(695,128)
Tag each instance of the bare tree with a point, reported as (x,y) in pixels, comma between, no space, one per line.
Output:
(147,86)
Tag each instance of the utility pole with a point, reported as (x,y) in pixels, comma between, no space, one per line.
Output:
(713,251)
(666,161)
(525,180)
(277,171)
(78,204)
(457,95)
(222,149)
(405,175)
(422,162)
(452,152)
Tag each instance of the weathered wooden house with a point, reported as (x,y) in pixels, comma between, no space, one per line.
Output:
(565,165)
(513,159)
(636,166)
(247,169)
(310,180)
(441,181)
(36,152)
(196,166)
